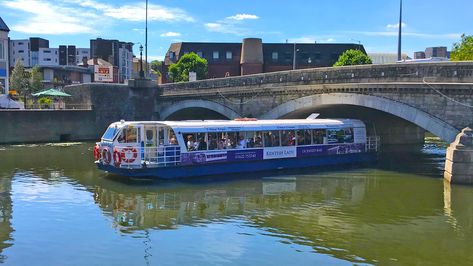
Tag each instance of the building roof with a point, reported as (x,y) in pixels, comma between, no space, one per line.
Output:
(3,26)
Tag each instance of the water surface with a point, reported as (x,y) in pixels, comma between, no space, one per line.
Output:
(57,209)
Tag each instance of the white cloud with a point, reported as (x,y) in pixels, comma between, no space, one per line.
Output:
(312,39)
(231,25)
(47,18)
(170,34)
(243,17)
(396,26)
(82,16)
(155,13)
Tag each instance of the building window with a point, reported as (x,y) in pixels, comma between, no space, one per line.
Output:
(216,55)
(47,51)
(21,51)
(47,59)
(172,55)
(229,55)
(200,54)
(275,56)
(20,43)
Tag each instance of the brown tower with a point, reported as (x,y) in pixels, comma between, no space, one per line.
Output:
(251,56)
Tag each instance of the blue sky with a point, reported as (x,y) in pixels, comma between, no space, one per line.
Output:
(371,22)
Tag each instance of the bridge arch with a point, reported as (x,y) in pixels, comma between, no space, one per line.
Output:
(418,117)
(210,105)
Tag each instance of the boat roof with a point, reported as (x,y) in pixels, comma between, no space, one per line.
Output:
(256,125)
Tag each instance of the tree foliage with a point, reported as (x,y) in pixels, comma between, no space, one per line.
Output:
(19,79)
(191,62)
(155,66)
(35,80)
(353,57)
(463,51)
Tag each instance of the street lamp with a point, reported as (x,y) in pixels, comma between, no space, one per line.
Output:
(142,73)
(294,59)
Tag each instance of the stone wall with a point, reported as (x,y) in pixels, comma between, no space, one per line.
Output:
(24,126)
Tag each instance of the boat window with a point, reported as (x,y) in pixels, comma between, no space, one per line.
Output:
(336,136)
(161,135)
(172,137)
(201,143)
(212,140)
(150,136)
(129,134)
(110,133)
(190,139)
(319,136)
(230,140)
(348,135)
(271,139)
(288,138)
(304,137)
(258,139)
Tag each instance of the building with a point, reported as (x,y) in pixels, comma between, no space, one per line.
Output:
(252,56)
(436,52)
(59,76)
(432,52)
(4,61)
(119,54)
(386,58)
(36,51)
(419,55)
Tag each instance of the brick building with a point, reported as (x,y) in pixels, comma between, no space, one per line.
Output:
(252,56)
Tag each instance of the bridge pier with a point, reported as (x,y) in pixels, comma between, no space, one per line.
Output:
(459,161)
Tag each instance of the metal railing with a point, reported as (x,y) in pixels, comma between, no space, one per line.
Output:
(58,106)
(372,144)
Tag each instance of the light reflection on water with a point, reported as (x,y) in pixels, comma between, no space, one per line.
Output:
(56,208)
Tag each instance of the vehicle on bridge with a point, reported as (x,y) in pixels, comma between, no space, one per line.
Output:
(174,149)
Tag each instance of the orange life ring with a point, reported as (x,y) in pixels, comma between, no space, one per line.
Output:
(97,152)
(117,158)
(106,156)
(126,151)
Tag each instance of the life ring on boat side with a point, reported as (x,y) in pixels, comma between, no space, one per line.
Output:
(106,156)
(117,158)
(97,152)
(125,154)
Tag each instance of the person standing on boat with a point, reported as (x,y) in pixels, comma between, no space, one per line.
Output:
(190,143)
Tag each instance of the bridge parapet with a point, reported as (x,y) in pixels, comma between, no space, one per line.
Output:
(451,72)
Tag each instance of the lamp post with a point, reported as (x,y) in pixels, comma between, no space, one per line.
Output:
(146,40)
(294,58)
(142,73)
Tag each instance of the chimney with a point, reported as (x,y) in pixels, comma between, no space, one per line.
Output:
(251,56)
(84,62)
(96,61)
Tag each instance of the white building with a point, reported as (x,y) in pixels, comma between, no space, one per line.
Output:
(4,62)
(48,57)
(125,63)
(81,54)
(20,50)
(385,58)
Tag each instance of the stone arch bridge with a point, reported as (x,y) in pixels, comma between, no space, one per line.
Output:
(399,102)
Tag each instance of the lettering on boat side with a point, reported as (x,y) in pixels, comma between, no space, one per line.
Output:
(280,152)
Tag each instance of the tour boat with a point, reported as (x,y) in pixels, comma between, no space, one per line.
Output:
(174,149)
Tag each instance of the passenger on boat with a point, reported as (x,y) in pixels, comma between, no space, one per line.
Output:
(202,145)
(190,143)
(242,143)
(173,140)
(212,142)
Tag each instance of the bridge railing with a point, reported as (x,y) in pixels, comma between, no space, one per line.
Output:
(401,72)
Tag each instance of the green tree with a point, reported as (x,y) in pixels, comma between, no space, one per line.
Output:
(463,51)
(191,62)
(353,57)
(35,80)
(19,79)
(155,66)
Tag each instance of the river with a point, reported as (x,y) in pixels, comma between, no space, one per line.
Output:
(57,209)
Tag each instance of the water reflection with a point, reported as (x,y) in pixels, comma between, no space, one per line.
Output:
(5,215)
(370,216)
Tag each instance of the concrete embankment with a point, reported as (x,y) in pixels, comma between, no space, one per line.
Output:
(28,126)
